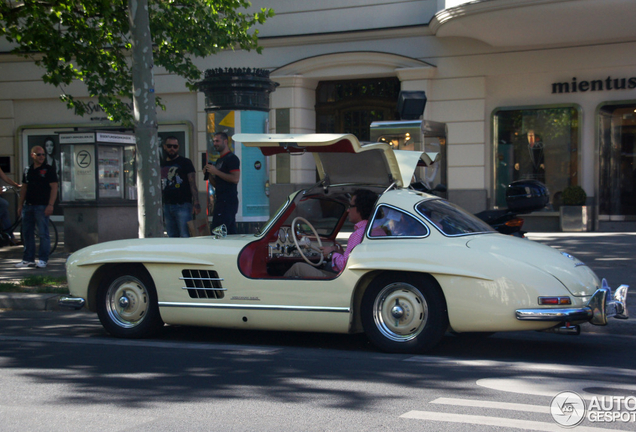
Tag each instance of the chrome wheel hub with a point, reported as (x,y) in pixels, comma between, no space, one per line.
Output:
(127,301)
(400,312)
(397,311)
(124,302)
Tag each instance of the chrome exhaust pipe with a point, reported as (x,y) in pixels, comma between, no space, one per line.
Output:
(572,330)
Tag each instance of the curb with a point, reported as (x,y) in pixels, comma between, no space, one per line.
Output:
(33,302)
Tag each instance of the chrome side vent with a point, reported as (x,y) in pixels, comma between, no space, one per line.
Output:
(203,284)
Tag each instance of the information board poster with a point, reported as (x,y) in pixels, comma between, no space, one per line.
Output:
(110,170)
(84,172)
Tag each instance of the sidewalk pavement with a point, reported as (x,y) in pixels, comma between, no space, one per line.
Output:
(610,255)
(9,257)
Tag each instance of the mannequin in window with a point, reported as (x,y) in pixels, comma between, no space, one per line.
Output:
(529,157)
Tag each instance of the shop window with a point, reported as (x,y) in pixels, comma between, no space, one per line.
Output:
(617,151)
(350,106)
(116,176)
(536,143)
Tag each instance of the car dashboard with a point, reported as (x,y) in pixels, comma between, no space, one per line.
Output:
(285,248)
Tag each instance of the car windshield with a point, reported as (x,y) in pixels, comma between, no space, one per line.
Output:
(324,214)
(451,219)
(263,228)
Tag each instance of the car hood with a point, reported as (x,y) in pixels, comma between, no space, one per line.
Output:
(342,159)
(578,278)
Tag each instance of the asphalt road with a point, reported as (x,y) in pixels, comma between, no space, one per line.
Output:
(61,372)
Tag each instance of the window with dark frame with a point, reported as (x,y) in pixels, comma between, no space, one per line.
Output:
(350,106)
(617,160)
(536,143)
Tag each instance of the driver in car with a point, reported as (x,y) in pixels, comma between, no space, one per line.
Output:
(360,208)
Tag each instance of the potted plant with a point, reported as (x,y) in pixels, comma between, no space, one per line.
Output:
(575,215)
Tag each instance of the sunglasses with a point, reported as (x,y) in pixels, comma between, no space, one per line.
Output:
(40,154)
(173,146)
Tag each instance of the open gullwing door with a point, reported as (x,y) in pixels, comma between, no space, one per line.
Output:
(342,159)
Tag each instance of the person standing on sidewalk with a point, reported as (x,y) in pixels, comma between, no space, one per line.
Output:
(224,175)
(37,197)
(179,190)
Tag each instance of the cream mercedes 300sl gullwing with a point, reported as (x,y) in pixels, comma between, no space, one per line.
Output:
(424,266)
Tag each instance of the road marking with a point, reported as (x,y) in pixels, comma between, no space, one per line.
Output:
(580,234)
(542,367)
(143,343)
(492,404)
(551,386)
(496,421)
(613,259)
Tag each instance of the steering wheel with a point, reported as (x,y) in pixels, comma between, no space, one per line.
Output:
(300,246)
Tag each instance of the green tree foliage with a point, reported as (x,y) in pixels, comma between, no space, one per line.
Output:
(90,41)
(106,45)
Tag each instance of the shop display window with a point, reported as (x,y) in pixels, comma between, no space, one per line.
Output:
(116,177)
(536,143)
(617,161)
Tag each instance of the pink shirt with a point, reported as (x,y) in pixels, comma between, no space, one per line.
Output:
(338,260)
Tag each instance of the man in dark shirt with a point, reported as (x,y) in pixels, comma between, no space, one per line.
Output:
(179,190)
(37,197)
(224,175)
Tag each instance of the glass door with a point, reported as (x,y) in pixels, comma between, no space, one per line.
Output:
(617,151)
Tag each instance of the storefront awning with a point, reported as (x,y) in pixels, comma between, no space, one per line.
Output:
(512,23)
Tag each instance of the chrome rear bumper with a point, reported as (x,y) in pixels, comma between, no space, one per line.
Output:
(601,306)
(71,302)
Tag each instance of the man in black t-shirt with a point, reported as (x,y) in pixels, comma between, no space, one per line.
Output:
(179,190)
(224,175)
(37,197)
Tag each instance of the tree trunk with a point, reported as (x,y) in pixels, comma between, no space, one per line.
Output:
(145,118)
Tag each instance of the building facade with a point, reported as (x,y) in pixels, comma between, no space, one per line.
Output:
(542,89)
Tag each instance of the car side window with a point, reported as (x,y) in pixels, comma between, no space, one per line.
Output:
(450,219)
(391,222)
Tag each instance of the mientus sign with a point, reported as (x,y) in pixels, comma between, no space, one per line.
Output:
(608,83)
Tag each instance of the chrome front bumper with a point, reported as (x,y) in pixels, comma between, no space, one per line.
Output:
(71,302)
(602,306)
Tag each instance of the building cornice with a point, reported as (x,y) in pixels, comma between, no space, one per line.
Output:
(516,23)
(346,36)
(344,65)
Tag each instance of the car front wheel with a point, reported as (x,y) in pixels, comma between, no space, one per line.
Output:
(127,304)
(404,313)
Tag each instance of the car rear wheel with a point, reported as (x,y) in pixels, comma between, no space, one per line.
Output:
(404,313)
(127,304)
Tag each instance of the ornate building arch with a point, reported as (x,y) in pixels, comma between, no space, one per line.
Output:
(295,101)
(299,79)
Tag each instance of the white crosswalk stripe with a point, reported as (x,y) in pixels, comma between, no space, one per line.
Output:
(497,421)
(492,404)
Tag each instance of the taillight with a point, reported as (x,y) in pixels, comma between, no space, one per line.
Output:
(515,222)
(555,301)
